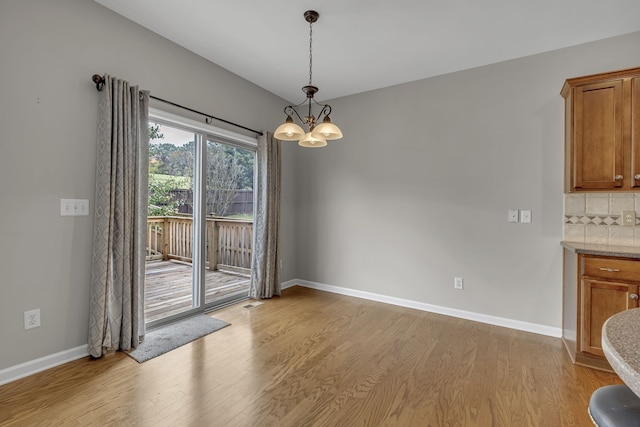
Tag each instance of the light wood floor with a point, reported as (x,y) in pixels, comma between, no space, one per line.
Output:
(314,358)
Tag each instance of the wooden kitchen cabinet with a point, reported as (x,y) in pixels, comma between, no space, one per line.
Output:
(602,132)
(595,288)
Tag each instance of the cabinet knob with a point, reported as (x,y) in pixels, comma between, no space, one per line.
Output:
(633,296)
(637,176)
(618,177)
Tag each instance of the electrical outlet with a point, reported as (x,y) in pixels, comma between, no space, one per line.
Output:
(457,283)
(32,319)
(629,218)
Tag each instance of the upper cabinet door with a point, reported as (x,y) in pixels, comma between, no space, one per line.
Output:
(598,154)
(635,131)
(602,131)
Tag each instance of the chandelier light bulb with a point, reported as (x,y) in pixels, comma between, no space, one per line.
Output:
(310,141)
(289,131)
(327,130)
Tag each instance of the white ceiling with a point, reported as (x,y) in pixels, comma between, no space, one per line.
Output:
(360,45)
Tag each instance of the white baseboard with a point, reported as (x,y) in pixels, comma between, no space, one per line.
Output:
(42,364)
(289,283)
(462,314)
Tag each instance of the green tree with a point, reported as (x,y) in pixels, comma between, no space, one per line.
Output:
(245,160)
(154,131)
(223,176)
(179,162)
(162,201)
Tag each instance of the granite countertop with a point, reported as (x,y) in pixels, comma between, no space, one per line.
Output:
(604,250)
(621,345)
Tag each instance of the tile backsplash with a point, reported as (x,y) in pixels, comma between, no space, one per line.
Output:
(597,218)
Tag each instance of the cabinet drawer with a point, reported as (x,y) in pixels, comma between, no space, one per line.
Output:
(611,268)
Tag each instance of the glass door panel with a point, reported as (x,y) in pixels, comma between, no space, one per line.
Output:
(169,266)
(229,179)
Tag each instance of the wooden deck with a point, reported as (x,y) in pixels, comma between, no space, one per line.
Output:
(168,287)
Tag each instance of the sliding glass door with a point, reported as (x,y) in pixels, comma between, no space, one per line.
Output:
(200,218)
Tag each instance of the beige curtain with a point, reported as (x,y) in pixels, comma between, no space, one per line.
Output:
(116,316)
(265,274)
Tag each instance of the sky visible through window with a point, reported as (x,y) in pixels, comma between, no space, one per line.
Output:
(173,136)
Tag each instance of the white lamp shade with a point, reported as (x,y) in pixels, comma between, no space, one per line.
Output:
(311,141)
(288,131)
(327,131)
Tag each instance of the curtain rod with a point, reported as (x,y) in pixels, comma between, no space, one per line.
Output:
(99,81)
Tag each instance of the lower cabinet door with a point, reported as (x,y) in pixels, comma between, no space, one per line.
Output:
(599,301)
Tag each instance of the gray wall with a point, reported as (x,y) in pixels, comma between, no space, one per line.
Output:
(48,51)
(418,190)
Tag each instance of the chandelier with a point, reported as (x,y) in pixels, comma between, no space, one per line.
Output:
(319,132)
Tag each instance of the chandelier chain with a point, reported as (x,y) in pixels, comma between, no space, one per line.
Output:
(310,51)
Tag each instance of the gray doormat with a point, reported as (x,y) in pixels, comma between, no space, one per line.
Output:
(174,335)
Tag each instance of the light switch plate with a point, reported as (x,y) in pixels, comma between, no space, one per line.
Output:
(74,207)
(525,216)
(512,215)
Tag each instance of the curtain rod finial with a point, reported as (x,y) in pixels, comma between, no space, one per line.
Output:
(98,80)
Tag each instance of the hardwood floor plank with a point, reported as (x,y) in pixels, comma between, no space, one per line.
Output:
(312,358)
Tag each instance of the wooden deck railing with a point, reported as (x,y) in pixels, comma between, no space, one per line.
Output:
(229,242)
